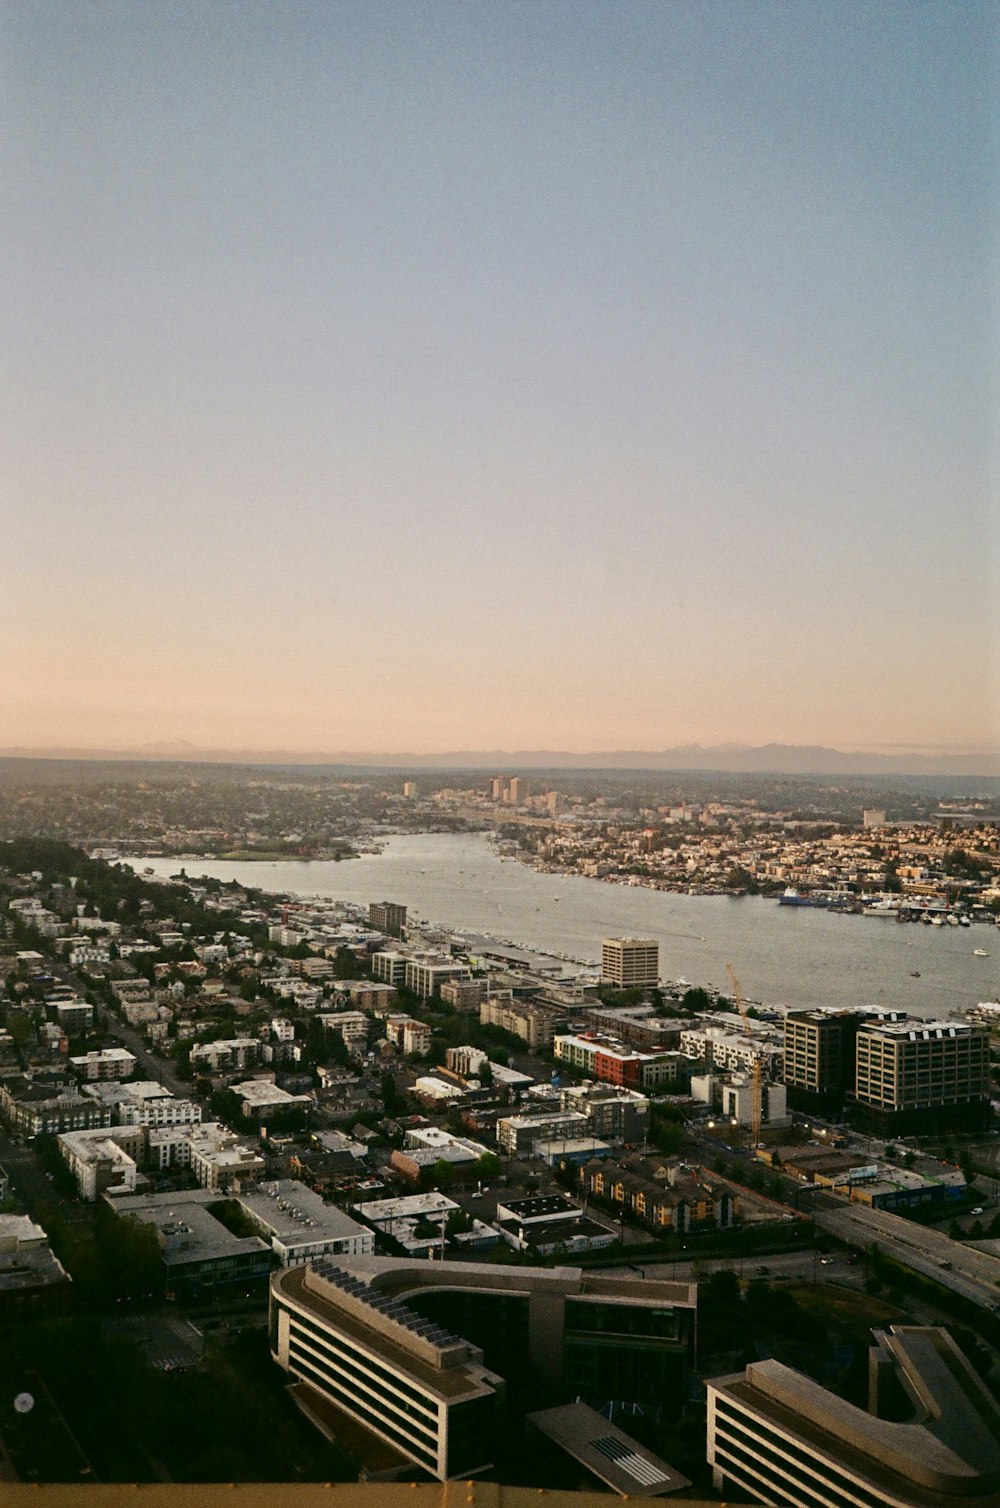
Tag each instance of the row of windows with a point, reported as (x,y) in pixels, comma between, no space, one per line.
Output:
(387,1378)
(363,1387)
(792,1463)
(358,1408)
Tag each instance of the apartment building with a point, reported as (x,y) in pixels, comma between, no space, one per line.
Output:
(74,1016)
(535,1023)
(780,1438)
(42,1109)
(367,994)
(389,968)
(638,1025)
(464,994)
(617,1115)
(630,962)
(109,1063)
(517,1134)
(425,976)
(350,1026)
(734,1051)
(104,1161)
(666,1196)
(226,1056)
(219,1160)
(613,1062)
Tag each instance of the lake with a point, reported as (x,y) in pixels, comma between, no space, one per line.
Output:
(783,955)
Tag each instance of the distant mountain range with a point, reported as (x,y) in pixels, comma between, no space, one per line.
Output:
(763,759)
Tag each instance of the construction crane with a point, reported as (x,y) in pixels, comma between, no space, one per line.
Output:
(757,1094)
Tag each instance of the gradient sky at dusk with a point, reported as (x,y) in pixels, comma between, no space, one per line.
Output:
(550,374)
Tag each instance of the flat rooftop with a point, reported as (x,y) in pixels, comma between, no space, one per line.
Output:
(187,1230)
(607,1452)
(294,1213)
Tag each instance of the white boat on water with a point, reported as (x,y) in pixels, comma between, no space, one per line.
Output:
(980,953)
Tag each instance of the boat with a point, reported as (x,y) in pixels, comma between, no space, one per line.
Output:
(793,897)
(980,953)
(914,973)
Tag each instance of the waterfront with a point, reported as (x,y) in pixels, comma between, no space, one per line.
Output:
(782,955)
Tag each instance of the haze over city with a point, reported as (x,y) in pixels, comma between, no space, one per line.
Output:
(536,376)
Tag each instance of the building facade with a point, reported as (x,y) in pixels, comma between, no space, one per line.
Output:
(440,1359)
(779,1437)
(928,1074)
(630,962)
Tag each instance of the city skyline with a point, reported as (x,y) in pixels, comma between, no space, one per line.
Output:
(569,377)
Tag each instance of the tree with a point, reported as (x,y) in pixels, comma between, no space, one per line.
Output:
(443,1174)
(488,1166)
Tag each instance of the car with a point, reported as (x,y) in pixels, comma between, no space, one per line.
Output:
(763,1271)
(977,1211)
(825,1261)
(945,1265)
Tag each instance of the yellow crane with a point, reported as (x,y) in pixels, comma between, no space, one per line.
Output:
(757,1095)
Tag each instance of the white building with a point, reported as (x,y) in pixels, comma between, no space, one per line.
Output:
(225,1056)
(300,1226)
(425,976)
(259,1097)
(109,1063)
(219,1160)
(104,1161)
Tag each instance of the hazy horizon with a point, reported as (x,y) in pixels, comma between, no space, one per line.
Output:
(549,375)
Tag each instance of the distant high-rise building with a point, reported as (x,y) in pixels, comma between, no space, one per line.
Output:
(498,787)
(628,962)
(410,790)
(387,917)
(873,817)
(518,790)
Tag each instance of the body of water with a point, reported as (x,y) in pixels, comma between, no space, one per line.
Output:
(783,955)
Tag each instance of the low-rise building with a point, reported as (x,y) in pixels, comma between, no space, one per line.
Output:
(425,976)
(105,1161)
(218,1159)
(108,1063)
(259,1097)
(201,1257)
(37,1108)
(32,1279)
(550,1223)
(535,1023)
(225,1056)
(74,1016)
(350,1026)
(300,1226)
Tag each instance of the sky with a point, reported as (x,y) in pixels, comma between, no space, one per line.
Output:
(558,375)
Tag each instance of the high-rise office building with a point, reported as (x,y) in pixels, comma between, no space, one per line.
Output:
(388,917)
(627,962)
(915,1075)
(440,1359)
